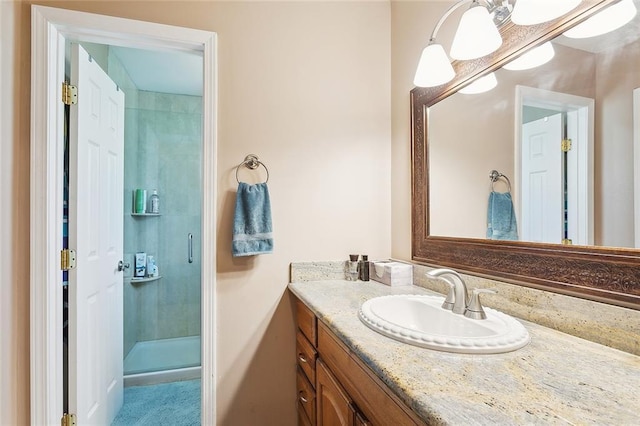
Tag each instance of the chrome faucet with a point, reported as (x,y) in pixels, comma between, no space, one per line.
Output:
(458,298)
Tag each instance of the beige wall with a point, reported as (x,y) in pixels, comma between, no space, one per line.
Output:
(618,73)
(411,26)
(304,85)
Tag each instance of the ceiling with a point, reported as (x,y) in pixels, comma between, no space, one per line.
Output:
(163,71)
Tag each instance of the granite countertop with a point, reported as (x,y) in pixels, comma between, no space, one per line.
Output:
(556,379)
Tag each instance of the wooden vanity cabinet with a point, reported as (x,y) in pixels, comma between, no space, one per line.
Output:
(343,389)
(306,354)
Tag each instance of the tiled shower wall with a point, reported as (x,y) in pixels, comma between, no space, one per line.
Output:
(163,141)
(164,154)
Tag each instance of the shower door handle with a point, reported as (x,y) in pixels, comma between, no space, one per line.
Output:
(190,247)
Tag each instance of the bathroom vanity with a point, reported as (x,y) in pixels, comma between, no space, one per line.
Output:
(349,374)
(335,386)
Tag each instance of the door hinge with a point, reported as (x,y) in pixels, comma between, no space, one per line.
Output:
(567,241)
(69,94)
(67,259)
(565,145)
(68,420)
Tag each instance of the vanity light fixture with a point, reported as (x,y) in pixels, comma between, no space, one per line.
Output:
(477,36)
(609,19)
(481,85)
(531,12)
(533,58)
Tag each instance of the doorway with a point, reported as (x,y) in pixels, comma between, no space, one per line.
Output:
(156,322)
(51,29)
(576,167)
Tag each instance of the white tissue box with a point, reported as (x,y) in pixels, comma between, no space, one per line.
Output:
(391,273)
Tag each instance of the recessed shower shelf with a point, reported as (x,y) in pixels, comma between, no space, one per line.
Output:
(145,214)
(145,280)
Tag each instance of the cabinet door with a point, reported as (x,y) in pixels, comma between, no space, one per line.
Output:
(334,406)
(360,420)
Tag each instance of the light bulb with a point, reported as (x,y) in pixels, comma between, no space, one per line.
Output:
(476,36)
(481,85)
(609,19)
(531,12)
(434,67)
(533,58)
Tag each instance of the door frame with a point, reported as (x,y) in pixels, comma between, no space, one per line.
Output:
(580,128)
(50,27)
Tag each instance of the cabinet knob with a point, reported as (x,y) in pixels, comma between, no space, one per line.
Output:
(302,358)
(302,398)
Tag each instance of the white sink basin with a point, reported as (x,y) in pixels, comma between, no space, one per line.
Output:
(420,320)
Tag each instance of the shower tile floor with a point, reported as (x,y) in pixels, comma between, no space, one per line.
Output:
(163,354)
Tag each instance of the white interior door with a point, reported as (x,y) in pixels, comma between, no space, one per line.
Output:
(96,168)
(542,186)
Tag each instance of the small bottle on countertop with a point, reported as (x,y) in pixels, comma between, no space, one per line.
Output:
(364,268)
(351,272)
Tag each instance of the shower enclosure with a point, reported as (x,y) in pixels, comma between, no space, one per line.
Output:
(163,145)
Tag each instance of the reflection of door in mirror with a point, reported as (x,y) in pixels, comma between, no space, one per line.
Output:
(542,178)
(554,166)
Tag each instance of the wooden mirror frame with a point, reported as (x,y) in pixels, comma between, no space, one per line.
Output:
(610,275)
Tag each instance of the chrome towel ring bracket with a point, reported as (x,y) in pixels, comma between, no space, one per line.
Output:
(251,162)
(495,175)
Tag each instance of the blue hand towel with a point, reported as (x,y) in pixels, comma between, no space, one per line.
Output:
(252,231)
(501,218)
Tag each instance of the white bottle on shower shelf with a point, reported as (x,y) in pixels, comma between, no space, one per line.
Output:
(154,202)
(151,266)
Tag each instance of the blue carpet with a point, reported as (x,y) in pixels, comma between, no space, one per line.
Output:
(176,403)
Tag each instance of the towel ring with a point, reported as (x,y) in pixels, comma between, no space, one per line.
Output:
(251,162)
(495,175)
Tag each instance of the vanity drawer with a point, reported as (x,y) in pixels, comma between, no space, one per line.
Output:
(306,399)
(306,357)
(306,322)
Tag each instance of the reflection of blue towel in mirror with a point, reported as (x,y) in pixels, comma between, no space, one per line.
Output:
(501,218)
(252,231)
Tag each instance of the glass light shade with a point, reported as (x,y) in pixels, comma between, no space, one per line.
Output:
(481,85)
(611,18)
(434,67)
(476,36)
(531,12)
(533,58)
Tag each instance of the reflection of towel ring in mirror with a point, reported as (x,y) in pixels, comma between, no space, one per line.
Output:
(495,175)
(252,162)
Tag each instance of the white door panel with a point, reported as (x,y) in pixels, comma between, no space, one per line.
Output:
(96,167)
(542,187)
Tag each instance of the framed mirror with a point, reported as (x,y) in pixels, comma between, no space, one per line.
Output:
(592,248)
